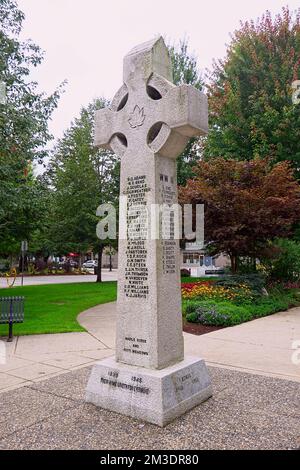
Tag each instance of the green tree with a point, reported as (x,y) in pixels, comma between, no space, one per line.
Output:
(26,217)
(42,244)
(284,265)
(24,116)
(83,177)
(185,70)
(252,113)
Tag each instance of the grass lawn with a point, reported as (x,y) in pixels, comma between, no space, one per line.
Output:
(54,308)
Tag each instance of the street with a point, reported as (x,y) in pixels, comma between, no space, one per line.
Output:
(60,279)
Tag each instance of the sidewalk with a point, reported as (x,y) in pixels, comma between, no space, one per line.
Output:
(31,359)
(261,347)
(251,407)
(61,279)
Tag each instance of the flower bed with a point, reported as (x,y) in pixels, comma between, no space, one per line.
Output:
(231,301)
(208,290)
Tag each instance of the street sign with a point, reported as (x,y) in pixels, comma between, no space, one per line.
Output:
(24,246)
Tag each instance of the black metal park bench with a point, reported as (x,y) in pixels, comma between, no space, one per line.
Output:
(11,311)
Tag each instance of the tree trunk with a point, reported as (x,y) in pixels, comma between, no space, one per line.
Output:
(80,262)
(99,270)
(234,264)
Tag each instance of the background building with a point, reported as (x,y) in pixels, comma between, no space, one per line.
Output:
(199,263)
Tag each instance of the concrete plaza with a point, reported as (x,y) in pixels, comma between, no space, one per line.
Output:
(263,347)
(255,403)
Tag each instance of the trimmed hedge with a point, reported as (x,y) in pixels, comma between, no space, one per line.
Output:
(255,282)
(228,314)
(219,314)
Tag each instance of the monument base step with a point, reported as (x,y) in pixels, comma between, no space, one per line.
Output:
(156,396)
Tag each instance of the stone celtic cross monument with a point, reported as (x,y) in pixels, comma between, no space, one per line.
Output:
(148,125)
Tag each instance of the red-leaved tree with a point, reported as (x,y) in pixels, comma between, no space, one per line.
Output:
(246,204)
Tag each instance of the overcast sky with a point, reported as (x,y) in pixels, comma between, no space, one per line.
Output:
(85,41)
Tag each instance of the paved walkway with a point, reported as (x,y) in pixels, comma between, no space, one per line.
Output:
(246,412)
(262,347)
(251,407)
(61,279)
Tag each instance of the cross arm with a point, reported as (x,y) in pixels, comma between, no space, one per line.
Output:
(185,109)
(183,113)
(108,130)
(104,127)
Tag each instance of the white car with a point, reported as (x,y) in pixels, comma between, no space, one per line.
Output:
(90,264)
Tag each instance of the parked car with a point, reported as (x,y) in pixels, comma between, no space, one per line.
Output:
(90,264)
(67,262)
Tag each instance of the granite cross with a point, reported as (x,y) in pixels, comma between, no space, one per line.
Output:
(148,125)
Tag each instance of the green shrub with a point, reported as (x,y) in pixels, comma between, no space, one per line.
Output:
(31,269)
(185,273)
(275,302)
(4,265)
(192,317)
(218,314)
(228,314)
(255,281)
(285,266)
(189,306)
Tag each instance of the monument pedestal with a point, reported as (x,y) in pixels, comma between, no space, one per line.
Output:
(156,396)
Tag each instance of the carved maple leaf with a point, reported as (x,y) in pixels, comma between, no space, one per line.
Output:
(137,117)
